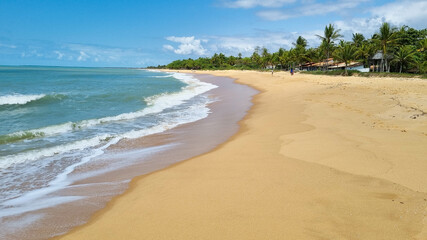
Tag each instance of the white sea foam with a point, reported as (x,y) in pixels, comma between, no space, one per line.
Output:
(29,156)
(19,99)
(151,70)
(45,131)
(97,146)
(156,104)
(36,205)
(193,113)
(25,202)
(166,76)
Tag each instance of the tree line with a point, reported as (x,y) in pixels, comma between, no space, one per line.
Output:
(401,49)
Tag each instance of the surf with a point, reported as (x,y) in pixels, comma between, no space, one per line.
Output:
(20,99)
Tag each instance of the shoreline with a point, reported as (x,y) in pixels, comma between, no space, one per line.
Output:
(100,180)
(275,187)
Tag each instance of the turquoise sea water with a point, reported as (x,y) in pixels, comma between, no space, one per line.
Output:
(36,97)
(54,119)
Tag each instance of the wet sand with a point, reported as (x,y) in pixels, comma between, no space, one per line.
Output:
(107,176)
(316,157)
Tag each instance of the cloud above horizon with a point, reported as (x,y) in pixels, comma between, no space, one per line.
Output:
(227,26)
(187,45)
(312,9)
(244,44)
(7,45)
(361,16)
(398,12)
(405,12)
(68,53)
(256,3)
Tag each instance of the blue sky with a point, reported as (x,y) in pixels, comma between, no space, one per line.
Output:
(136,33)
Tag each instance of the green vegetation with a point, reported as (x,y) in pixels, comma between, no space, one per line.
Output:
(401,51)
(345,53)
(330,35)
(367,74)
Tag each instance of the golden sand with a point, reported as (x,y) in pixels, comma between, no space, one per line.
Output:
(316,157)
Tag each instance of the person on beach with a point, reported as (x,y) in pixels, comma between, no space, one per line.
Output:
(292,71)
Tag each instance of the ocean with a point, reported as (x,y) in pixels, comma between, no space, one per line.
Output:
(55,120)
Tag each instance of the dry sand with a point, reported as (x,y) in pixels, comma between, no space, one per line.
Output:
(316,157)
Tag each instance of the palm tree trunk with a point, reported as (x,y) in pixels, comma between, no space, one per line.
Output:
(400,67)
(327,60)
(382,65)
(387,67)
(345,69)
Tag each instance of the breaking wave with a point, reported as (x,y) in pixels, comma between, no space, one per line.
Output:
(19,99)
(155,104)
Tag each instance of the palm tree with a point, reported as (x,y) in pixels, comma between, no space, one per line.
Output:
(404,55)
(419,63)
(423,45)
(342,43)
(329,36)
(274,60)
(231,61)
(283,57)
(364,52)
(293,57)
(345,53)
(358,39)
(384,38)
(266,57)
(300,55)
(315,55)
(256,58)
(301,42)
(300,51)
(215,60)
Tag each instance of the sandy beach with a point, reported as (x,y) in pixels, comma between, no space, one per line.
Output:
(316,157)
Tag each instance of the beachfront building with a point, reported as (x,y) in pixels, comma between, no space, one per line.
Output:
(358,66)
(333,65)
(378,60)
(312,66)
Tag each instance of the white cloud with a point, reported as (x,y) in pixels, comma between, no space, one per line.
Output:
(273,15)
(311,9)
(411,13)
(82,52)
(168,47)
(82,57)
(28,51)
(246,44)
(32,53)
(256,3)
(60,55)
(329,7)
(7,45)
(366,26)
(187,45)
(232,45)
(406,12)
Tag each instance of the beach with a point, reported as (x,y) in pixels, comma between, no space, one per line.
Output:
(316,157)
(184,124)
